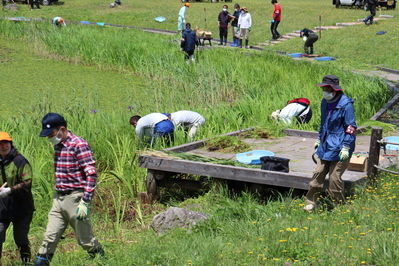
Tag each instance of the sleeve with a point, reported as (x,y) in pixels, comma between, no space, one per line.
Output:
(349,126)
(86,162)
(183,42)
(140,131)
(249,21)
(24,181)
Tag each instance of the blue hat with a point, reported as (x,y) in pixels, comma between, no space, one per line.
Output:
(51,121)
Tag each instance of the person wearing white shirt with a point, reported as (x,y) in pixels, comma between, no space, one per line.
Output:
(189,120)
(244,24)
(152,126)
(293,110)
(181,20)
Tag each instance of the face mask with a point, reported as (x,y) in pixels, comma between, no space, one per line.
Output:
(55,140)
(224,9)
(328,95)
(236,9)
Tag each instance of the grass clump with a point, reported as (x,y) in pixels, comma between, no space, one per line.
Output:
(227,144)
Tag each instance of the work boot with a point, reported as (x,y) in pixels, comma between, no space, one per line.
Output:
(25,254)
(43,259)
(95,251)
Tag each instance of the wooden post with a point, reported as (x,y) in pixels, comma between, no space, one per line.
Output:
(374,152)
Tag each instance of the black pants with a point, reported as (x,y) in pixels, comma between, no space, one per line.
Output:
(223,34)
(273,28)
(313,37)
(187,54)
(34,2)
(373,12)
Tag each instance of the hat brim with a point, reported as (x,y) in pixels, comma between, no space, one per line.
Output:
(334,87)
(45,132)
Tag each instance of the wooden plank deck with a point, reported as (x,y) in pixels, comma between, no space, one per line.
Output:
(298,147)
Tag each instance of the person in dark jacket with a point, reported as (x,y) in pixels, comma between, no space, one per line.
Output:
(224,24)
(335,144)
(310,37)
(188,42)
(16,200)
(371,5)
(234,25)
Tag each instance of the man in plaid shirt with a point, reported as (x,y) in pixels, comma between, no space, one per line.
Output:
(75,182)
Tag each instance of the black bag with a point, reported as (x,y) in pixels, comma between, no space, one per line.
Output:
(273,163)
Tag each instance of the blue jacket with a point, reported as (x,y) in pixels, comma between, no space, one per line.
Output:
(337,130)
(189,40)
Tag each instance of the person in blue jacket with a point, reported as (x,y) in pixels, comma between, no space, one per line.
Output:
(335,144)
(188,42)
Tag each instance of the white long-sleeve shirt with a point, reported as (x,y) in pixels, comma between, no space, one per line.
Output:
(186,118)
(245,20)
(182,13)
(145,125)
(291,111)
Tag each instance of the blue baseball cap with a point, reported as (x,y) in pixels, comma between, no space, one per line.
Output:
(51,121)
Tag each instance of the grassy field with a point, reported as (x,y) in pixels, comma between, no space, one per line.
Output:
(98,77)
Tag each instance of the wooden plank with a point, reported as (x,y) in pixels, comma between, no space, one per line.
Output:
(392,102)
(374,152)
(301,133)
(299,181)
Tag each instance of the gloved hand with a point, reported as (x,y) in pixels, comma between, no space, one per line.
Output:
(316,144)
(271,21)
(83,210)
(344,154)
(238,28)
(4,192)
(249,29)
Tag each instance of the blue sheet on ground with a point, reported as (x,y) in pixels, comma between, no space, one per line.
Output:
(324,58)
(160,19)
(101,23)
(392,147)
(252,157)
(85,22)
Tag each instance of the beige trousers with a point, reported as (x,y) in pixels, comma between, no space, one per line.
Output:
(62,213)
(335,170)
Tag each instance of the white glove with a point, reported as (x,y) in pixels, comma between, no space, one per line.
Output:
(4,192)
(304,38)
(275,114)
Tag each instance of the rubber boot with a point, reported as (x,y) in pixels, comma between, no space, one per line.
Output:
(246,44)
(225,41)
(25,254)
(221,41)
(240,43)
(43,259)
(234,44)
(311,50)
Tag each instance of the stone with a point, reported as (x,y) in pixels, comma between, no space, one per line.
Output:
(176,218)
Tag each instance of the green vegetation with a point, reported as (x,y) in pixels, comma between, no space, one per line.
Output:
(97,77)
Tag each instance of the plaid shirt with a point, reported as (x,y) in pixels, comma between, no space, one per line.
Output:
(75,166)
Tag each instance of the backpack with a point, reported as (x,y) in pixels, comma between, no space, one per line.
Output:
(303,101)
(303,119)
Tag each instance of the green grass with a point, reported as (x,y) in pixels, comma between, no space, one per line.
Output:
(78,69)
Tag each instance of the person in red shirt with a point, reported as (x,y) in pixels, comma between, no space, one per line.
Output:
(75,182)
(275,21)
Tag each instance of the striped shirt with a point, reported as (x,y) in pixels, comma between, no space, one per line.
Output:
(74,166)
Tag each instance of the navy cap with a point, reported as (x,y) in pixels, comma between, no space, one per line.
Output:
(51,121)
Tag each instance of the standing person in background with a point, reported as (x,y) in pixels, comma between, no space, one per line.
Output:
(244,26)
(336,142)
(371,5)
(153,125)
(181,20)
(276,20)
(234,25)
(33,3)
(189,120)
(188,42)
(310,37)
(16,200)
(224,24)
(75,182)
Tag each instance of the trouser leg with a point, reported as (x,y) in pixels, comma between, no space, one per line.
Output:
(21,231)
(336,184)
(316,184)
